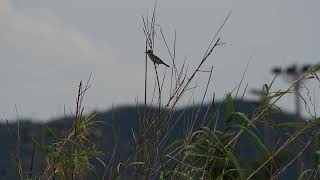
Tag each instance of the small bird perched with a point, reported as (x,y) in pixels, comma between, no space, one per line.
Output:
(155,58)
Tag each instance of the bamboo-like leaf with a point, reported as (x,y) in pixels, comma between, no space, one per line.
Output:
(230,109)
(303,173)
(259,142)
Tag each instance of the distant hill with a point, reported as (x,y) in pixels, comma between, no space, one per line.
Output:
(120,121)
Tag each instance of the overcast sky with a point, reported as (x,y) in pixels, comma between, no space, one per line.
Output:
(47,47)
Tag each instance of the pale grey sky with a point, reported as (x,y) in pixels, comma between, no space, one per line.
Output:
(47,47)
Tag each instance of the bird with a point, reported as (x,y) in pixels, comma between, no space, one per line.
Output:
(155,58)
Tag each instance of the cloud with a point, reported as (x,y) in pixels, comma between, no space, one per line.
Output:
(46,47)
(42,60)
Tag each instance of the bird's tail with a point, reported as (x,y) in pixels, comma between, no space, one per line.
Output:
(166,64)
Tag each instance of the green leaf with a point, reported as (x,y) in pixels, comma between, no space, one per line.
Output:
(236,163)
(230,108)
(242,117)
(161,176)
(52,132)
(259,142)
(290,124)
(265,89)
(301,176)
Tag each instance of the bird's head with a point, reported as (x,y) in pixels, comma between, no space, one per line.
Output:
(149,51)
